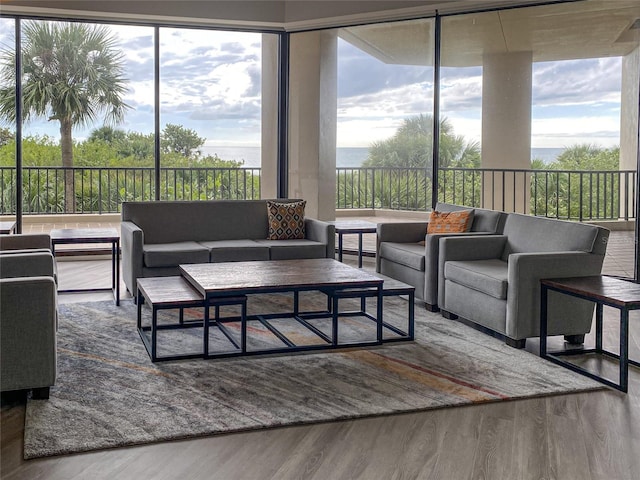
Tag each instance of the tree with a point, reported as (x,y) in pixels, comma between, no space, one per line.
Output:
(6,136)
(177,139)
(411,146)
(107,134)
(72,73)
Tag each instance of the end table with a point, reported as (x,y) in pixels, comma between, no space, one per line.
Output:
(68,236)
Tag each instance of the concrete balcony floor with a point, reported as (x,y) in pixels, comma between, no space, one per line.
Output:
(619,259)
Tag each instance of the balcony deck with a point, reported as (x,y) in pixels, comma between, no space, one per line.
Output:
(619,259)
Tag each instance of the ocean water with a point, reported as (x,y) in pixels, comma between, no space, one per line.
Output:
(345,157)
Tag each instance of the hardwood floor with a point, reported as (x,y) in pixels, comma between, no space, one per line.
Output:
(580,436)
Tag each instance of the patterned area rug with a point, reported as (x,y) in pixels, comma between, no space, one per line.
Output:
(109,394)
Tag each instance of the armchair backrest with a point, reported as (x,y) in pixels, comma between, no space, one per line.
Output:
(526,233)
(484,220)
(25,242)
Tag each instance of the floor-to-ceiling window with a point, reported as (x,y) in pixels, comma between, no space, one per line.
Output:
(210,114)
(85,109)
(385,85)
(7,128)
(90,99)
(550,93)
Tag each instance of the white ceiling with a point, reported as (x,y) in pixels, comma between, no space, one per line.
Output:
(589,29)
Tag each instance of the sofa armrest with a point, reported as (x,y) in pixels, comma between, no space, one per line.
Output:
(322,232)
(132,241)
(524,275)
(27,264)
(476,247)
(28,340)
(25,241)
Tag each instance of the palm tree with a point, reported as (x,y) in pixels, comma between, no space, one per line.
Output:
(71,73)
(411,145)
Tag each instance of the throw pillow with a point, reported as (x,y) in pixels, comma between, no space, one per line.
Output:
(450,222)
(286,220)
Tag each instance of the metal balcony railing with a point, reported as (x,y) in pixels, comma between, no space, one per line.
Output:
(564,194)
(573,195)
(103,189)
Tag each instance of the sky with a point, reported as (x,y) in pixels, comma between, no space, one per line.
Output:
(211,83)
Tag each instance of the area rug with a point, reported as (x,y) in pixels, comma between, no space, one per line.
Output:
(109,394)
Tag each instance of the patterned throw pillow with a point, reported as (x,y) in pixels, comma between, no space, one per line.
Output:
(286,220)
(450,222)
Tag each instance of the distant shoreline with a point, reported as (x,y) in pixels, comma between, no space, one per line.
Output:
(346,157)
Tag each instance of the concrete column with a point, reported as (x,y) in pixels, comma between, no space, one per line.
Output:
(629,126)
(269,143)
(312,121)
(506,129)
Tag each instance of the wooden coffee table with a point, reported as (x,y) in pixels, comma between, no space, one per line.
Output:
(216,280)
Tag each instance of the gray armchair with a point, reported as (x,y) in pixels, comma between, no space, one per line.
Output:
(28,315)
(494,281)
(405,251)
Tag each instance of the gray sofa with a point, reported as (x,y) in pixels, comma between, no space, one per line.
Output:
(401,255)
(156,237)
(28,302)
(494,281)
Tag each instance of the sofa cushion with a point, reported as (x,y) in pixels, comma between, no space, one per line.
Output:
(173,254)
(450,222)
(236,251)
(286,220)
(538,234)
(293,249)
(407,254)
(486,276)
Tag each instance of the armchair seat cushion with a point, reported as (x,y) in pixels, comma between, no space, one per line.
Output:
(408,254)
(487,276)
(172,254)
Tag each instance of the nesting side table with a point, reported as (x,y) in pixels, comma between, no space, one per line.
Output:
(602,290)
(67,236)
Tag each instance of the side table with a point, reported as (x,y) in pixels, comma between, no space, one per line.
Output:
(602,290)
(7,227)
(68,236)
(353,227)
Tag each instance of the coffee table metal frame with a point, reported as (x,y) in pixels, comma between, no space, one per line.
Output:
(370,288)
(183,295)
(566,286)
(67,236)
(391,288)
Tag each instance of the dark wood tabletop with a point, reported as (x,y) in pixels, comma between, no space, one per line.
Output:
(275,275)
(84,235)
(173,290)
(615,291)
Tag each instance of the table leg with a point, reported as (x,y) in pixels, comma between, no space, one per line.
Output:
(624,350)
(340,246)
(205,328)
(543,321)
(334,319)
(154,334)
(117,255)
(379,313)
(360,250)
(599,308)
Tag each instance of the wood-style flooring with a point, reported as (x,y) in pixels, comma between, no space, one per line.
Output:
(578,436)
